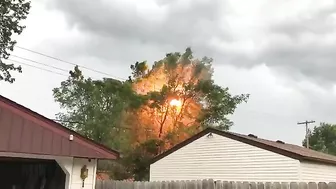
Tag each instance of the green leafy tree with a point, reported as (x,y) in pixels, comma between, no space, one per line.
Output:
(182,99)
(138,158)
(11,13)
(94,108)
(323,138)
(155,109)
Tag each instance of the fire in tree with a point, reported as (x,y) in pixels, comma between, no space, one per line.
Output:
(158,107)
(181,98)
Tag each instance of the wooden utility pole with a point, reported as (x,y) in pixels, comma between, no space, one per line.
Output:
(307,130)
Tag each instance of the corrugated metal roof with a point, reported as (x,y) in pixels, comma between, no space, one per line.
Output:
(25,131)
(289,150)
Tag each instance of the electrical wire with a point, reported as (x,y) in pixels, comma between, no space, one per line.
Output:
(67,62)
(36,67)
(30,60)
(70,63)
(53,72)
(36,62)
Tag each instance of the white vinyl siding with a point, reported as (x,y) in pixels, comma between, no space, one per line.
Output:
(221,158)
(312,172)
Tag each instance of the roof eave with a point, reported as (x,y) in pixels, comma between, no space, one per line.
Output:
(228,135)
(317,161)
(106,152)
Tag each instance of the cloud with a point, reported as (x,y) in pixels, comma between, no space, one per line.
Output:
(123,32)
(295,37)
(177,23)
(320,21)
(256,46)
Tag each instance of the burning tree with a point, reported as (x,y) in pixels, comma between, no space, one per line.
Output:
(155,109)
(182,98)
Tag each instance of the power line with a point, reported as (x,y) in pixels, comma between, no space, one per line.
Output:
(67,62)
(307,130)
(43,69)
(30,60)
(249,110)
(58,59)
(47,65)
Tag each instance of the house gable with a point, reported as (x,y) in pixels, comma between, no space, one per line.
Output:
(289,150)
(222,158)
(25,131)
(222,134)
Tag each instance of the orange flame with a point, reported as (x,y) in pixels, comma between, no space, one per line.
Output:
(176,112)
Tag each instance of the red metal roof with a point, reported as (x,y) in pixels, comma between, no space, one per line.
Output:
(25,131)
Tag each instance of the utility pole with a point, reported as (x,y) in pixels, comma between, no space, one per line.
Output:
(307,131)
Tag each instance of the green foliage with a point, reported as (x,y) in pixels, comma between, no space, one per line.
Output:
(323,138)
(219,104)
(138,159)
(139,69)
(11,13)
(137,117)
(94,108)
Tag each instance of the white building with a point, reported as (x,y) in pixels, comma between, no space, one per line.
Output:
(36,152)
(218,155)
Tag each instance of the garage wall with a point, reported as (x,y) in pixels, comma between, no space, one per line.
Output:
(77,182)
(313,172)
(222,158)
(73,168)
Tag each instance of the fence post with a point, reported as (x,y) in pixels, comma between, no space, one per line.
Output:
(164,185)
(239,185)
(136,185)
(192,184)
(260,185)
(99,184)
(245,185)
(303,185)
(175,185)
(284,185)
(211,184)
(276,185)
(170,185)
(226,185)
(204,184)
(331,185)
(199,184)
(268,185)
(183,185)
(293,185)
(219,184)
(312,185)
(322,185)
(252,185)
(146,185)
(141,185)
(233,185)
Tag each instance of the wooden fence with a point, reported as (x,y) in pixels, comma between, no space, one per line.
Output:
(211,184)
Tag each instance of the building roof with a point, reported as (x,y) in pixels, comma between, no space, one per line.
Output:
(25,131)
(279,147)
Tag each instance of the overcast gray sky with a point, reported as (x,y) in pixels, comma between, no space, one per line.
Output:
(282,52)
